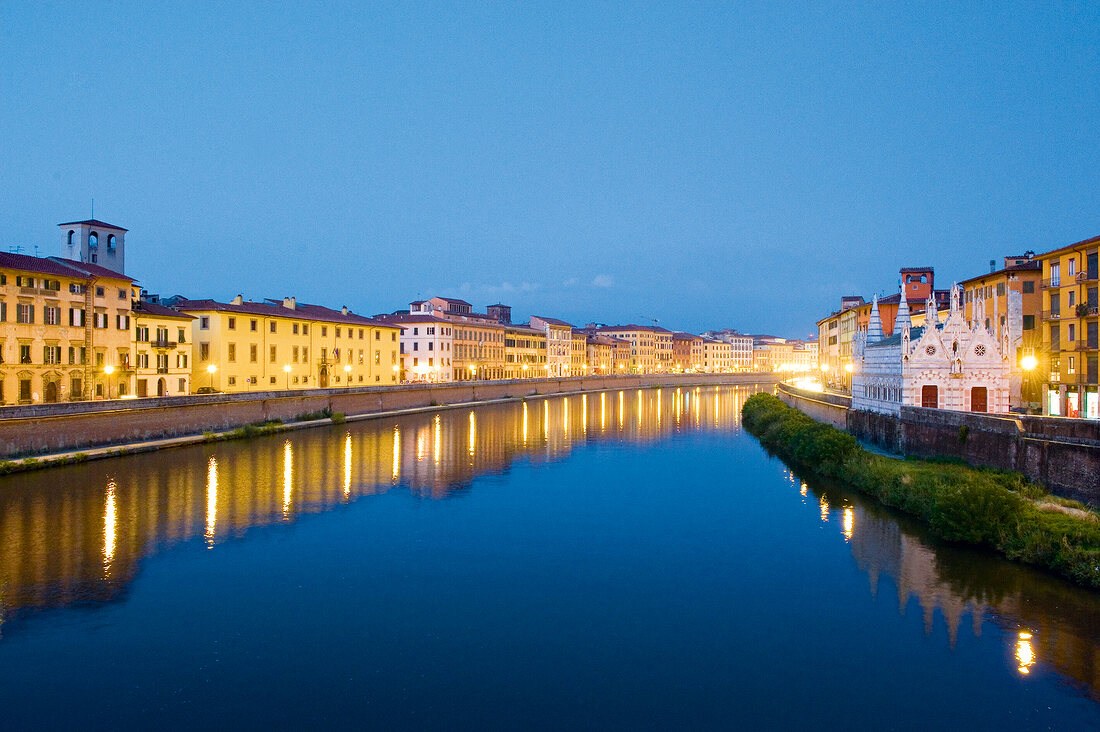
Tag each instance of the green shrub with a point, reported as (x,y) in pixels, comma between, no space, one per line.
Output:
(960,503)
(338,418)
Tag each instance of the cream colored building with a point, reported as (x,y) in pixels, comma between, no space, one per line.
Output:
(559,344)
(242,346)
(717,356)
(64,330)
(524,352)
(161,357)
(642,340)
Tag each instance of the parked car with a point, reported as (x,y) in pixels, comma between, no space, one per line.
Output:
(207,390)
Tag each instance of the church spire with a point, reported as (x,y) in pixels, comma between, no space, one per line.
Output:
(874,325)
(931,312)
(903,319)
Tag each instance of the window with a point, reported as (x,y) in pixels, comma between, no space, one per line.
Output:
(1029,320)
(271,326)
(78,289)
(337,331)
(99,292)
(1071,332)
(252,324)
(1071,267)
(21,281)
(1072,368)
(252,355)
(111,242)
(181,336)
(305,328)
(232,352)
(51,315)
(273,354)
(1055,275)
(377,358)
(101,321)
(324,331)
(360,334)
(24,313)
(3,312)
(294,329)
(142,334)
(1000,291)
(204,322)
(122,322)
(272,380)
(232,380)
(393,336)
(143,360)
(1029,287)
(416,346)
(53,285)
(305,354)
(24,354)
(204,351)
(182,386)
(294,354)
(24,390)
(232,323)
(122,294)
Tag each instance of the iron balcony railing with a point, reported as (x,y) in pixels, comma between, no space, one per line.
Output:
(1051,314)
(1086,276)
(162,343)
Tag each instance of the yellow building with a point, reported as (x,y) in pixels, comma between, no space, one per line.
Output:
(642,340)
(717,356)
(64,330)
(161,359)
(477,338)
(559,344)
(282,344)
(1068,359)
(524,352)
(578,361)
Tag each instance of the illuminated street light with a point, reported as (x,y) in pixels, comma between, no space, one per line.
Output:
(286,370)
(108,370)
(1029,362)
(347,375)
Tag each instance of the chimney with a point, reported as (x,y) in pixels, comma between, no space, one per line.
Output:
(992,265)
(289,303)
(344,310)
(238,300)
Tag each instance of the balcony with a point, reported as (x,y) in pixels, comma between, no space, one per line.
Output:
(1051,314)
(160,343)
(162,369)
(1051,282)
(1084,346)
(1086,277)
(1084,310)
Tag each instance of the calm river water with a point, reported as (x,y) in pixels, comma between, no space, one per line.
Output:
(624,560)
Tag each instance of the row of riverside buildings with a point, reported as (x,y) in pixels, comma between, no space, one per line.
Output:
(75,327)
(1021,337)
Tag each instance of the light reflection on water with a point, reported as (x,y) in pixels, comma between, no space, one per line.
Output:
(78,535)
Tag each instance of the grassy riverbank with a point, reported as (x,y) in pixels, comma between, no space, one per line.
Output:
(994,508)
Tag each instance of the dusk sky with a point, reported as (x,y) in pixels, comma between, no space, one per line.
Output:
(738,165)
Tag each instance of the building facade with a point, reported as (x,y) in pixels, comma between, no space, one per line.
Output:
(64,330)
(958,365)
(1070,349)
(242,346)
(559,345)
(161,357)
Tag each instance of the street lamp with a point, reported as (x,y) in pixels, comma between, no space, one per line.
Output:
(108,370)
(210,370)
(347,375)
(1029,362)
(286,370)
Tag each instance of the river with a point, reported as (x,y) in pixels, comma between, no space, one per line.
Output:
(614,560)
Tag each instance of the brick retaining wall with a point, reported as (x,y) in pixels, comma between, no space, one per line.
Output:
(46,428)
(1060,453)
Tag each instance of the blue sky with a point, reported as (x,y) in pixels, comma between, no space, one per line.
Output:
(709,165)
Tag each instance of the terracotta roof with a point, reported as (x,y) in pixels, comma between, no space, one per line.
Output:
(1033,265)
(682,336)
(94,222)
(301,310)
(410,318)
(159,311)
(553,321)
(453,300)
(58,266)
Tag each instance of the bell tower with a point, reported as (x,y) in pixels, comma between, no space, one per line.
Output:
(94,242)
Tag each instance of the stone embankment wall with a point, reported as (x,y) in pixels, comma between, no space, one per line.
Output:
(47,428)
(1062,454)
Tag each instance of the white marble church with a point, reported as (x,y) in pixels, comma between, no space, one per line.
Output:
(954,365)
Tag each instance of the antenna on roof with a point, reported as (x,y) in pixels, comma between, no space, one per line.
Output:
(93,207)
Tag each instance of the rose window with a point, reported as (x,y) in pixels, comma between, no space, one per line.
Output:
(931,350)
(979,350)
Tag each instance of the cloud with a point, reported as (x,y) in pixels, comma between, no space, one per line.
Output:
(570,282)
(603,281)
(504,288)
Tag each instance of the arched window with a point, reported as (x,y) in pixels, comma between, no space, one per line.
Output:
(71,235)
(110,242)
(93,240)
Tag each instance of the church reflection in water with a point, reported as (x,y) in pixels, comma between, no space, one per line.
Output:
(77,534)
(1044,620)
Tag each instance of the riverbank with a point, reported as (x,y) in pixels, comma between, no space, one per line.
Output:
(994,508)
(326,416)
